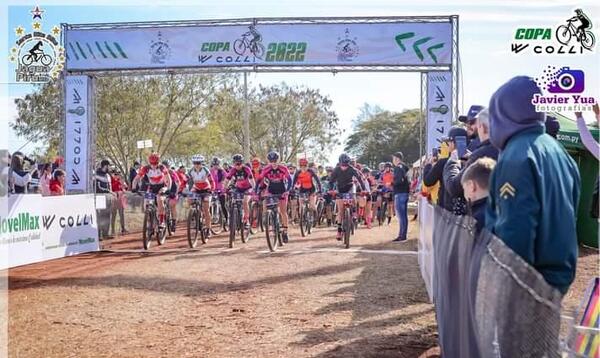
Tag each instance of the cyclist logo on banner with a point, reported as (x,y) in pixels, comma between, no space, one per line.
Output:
(250,42)
(38,56)
(159,50)
(347,48)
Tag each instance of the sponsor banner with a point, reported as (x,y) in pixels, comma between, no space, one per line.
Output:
(426,213)
(76,128)
(69,226)
(38,228)
(305,44)
(439,108)
(21,231)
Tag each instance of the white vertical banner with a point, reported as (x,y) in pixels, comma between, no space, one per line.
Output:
(439,107)
(77,118)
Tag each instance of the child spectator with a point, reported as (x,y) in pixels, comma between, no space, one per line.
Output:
(57,183)
(475,183)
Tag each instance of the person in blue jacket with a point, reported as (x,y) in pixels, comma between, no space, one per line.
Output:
(535,186)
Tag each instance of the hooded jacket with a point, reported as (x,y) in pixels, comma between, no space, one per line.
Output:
(535,186)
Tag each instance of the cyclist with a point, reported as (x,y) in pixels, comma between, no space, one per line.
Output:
(226,167)
(183,178)
(201,182)
(279,182)
(256,37)
(326,190)
(371,184)
(293,197)
(173,193)
(256,168)
(343,178)
(155,179)
(36,51)
(585,23)
(386,182)
(219,176)
(305,180)
(242,181)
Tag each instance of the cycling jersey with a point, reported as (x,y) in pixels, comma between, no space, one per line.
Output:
(387,179)
(305,180)
(218,176)
(183,179)
(200,180)
(344,179)
(277,177)
(256,173)
(156,176)
(241,177)
(325,184)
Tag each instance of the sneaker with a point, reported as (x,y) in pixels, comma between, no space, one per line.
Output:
(398,239)
(284,237)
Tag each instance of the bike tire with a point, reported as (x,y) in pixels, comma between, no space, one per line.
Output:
(261,218)
(27,60)
(253,217)
(239,47)
(232,226)
(217,224)
(303,230)
(563,34)
(200,223)
(259,50)
(192,229)
(319,218)
(244,233)
(168,218)
(310,221)
(271,232)
(46,60)
(148,230)
(383,213)
(590,40)
(347,223)
(161,235)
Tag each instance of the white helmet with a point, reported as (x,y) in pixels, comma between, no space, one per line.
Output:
(198,159)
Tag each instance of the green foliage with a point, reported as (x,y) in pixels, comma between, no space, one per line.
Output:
(379,135)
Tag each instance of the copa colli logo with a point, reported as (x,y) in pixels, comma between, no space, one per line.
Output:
(573,37)
(37,55)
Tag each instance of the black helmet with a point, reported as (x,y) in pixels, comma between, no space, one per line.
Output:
(273,156)
(344,159)
(238,158)
(216,161)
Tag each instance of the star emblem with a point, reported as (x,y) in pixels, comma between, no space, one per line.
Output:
(13,50)
(55,30)
(12,58)
(19,31)
(36,25)
(37,13)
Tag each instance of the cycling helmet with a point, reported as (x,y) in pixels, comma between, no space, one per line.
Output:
(388,165)
(166,163)
(216,161)
(578,11)
(344,159)
(238,159)
(273,156)
(198,159)
(153,159)
(303,162)
(366,170)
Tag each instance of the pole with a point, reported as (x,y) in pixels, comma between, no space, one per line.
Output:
(246,120)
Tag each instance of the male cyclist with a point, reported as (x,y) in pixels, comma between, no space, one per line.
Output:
(386,189)
(326,189)
(242,181)
(343,178)
(202,183)
(308,182)
(155,179)
(173,193)
(279,182)
(219,176)
(585,23)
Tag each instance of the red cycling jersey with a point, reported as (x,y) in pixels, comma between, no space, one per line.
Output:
(155,175)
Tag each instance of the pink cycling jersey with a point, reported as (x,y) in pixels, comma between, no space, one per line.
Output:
(218,175)
(278,178)
(241,177)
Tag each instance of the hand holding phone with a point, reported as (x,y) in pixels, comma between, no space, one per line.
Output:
(461,145)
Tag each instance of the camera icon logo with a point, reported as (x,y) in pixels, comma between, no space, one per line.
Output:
(563,80)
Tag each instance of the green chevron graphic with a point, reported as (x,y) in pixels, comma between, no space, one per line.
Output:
(416,45)
(105,50)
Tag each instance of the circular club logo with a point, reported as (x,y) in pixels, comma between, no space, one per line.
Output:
(347,48)
(38,55)
(159,50)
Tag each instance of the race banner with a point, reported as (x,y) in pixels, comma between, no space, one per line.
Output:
(390,43)
(439,107)
(69,226)
(77,117)
(20,231)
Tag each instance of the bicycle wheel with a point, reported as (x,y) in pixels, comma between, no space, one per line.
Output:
(168,218)
(261,218)
(303,230)
(192,228)
(239,46)
(244,229)
(232,226)
(200,223)
(27,59)
(346,226)
(588,41)
(253,218)
(216,216)
(161,233)
(382,213)
(563,34)
(148,231)
(320,209)
(271,231)
(259,50)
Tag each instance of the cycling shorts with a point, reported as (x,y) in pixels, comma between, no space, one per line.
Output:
(309,191)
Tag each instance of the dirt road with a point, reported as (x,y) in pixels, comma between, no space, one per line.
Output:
(313,298)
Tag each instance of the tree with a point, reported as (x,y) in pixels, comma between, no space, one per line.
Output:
(377,137)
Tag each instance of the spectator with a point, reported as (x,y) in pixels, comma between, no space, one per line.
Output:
(45,178)
(401,189)
(103,178)
(133,171)
(436,173)
(58,162)
(534,190)
(118,186)
(57,183)
(475,182)
(20,178)
(552,126)
(454,169)
(470,120)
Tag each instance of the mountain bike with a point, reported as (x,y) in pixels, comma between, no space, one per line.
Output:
(348,202)
(306,214)
(236,214)
(272,222)
(217,217)
(320,211)
(564,33)
(195,219)
(151,224)
(241,45)
(28,59)
(256,216)
(384,210)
